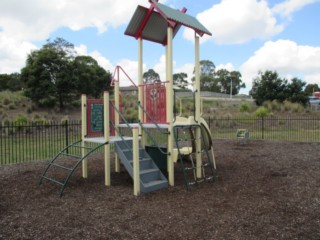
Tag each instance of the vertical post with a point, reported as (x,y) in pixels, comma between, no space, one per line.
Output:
(140,87)
(67,135)
(135,151)
(106,126)
(197,103)
(169,101)
(84,133)
(116,115)
(231,89)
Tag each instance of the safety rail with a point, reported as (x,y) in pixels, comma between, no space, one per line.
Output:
(157,127)
(117,129)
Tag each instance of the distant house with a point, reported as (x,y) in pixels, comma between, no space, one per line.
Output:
(129,90)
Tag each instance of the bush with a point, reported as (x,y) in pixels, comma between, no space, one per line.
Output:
(6,101)
(262,112)
(244,107)
(21,119)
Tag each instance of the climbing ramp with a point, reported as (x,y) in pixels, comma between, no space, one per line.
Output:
(60,169)
(151,178)
(186,141)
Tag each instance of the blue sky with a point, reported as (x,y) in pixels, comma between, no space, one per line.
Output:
(248,35)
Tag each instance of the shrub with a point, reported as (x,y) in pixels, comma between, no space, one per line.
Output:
(244,107)
(6,101)
(21,119)
(262,112)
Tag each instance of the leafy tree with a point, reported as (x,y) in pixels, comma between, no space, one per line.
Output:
(268,86)
(208,83)
(10,82)
(151,76)
(295,93)
(311,88)
(207,68)
(226,78)
(89,77)
(47,74)
(4,79)
(179,79)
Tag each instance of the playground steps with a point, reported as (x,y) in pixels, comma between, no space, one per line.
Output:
(151,178)
(60,169)
(184,135)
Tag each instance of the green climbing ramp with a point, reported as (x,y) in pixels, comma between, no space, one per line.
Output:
(60,169)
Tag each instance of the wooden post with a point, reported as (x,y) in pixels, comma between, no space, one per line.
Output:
(84,133)
(169,102)
(116,115)
(197,107)
(136,171)
(106,124)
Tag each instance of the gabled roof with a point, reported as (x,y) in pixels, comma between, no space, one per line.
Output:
(151,24)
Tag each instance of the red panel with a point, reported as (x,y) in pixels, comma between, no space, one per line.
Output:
(155,102)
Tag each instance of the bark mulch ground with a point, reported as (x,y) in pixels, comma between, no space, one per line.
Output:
(264,190)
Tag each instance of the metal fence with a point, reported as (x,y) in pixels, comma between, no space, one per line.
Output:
(26,142)
(299,129)
(29,141)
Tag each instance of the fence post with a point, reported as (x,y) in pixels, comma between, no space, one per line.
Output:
(67,135)
(262,127)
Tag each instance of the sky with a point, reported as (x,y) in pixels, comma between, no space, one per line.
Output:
(247,35)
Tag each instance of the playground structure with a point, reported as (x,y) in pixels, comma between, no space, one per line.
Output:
(188,139)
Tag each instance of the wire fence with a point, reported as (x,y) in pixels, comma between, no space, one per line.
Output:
(30,141)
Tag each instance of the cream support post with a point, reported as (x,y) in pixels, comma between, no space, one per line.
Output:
(106,125)
(116,115)
(136,167)
(169,100)
(84,133)
(197,103)
(140,88)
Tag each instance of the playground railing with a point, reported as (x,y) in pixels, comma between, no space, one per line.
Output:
(160,130)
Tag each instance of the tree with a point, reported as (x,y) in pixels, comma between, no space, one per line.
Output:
(207,71)
(295,93)
(268,86)
(48,72)
(226,79)
(151,77)
(311,88)
(89,78)
(179,79)
(10,82)
(207,68)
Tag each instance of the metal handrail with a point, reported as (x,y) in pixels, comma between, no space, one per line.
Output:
(157,127)
(152,120)
(121,115)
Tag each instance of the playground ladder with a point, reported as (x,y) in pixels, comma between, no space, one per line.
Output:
(185,137)
(151,178)
(62,166)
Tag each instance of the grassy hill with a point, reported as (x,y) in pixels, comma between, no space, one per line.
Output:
(14,105)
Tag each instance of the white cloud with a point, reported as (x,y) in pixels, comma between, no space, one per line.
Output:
(287,58)
(13,54)
(227,66)
(234,21)
(102,61)
(286,8)
(22,22)
(36,19)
